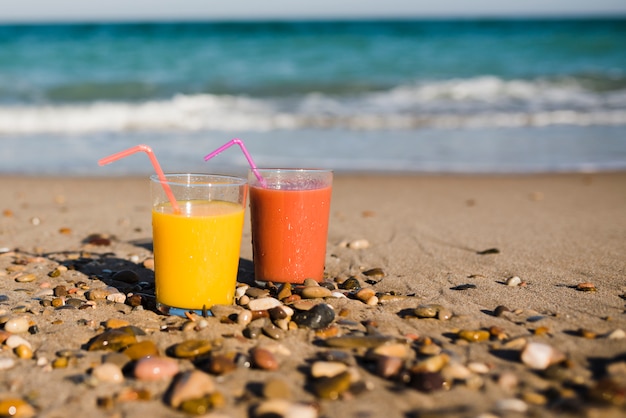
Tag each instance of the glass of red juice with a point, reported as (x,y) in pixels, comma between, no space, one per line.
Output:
(289,212)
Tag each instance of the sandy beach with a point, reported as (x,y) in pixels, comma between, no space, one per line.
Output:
(523,277)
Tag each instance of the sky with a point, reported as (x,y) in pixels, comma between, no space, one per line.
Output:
(147,10)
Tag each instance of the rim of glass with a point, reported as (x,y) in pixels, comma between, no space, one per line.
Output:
(183,180)
(277,169)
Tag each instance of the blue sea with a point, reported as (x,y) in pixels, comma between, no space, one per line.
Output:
(436,96)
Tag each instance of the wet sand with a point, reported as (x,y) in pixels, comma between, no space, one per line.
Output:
(455,243)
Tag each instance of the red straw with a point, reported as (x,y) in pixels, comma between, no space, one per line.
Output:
(155,164)
(239,142)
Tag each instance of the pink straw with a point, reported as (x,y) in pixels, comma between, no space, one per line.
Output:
(239,142)
(155,164)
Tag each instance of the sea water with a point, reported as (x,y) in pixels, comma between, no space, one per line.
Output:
(513,95)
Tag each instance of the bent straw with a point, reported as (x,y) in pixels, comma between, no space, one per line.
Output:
(246,154)
(155,164)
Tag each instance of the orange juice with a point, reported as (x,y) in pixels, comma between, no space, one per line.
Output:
(196,252)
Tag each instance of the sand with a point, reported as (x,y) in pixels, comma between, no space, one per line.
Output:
(426,232)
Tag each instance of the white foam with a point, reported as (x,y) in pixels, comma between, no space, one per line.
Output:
(481,102)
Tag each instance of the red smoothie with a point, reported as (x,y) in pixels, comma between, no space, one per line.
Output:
(289,232)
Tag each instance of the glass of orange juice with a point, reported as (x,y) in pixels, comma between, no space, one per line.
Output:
(196,251)
(289,212)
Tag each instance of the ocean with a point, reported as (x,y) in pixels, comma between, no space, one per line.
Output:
(421,96)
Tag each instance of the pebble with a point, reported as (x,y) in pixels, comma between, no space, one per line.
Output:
(191,348)
(221,364)
(358,244)
(108,372)
(368,341)
(617,334)
(539,356)
(352,283)
(27,278)
(244,317)
(474,335)
(114,339)
(6,363)
(16,407)
(263,359)
(17,325)
(116,297)
(141,349)
(273,331)
(365,294)
(327,368)
(156,368)
(24,351)
(319,316)
(332,387)
(313,292)
(15,340)
(586,287)
(427,381)
(263,304)
(511,405)
(283,408)
(189,385)
(513,281)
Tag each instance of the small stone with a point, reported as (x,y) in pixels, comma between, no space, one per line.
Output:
(116,297)
(427,381)
(374,273)
(500,310)
(24,351)
(27,278)
(351,283)
(116,323)
(327,368)
(332,387)
(617,334)
(141,349)
(513,281)
(511,405)
(60,291)
(320,316)
(426,311)
(244,317)
(539,356)
(474,335)
(16,407)
(313,292)
(15,340)
(263,359)
(273,331)
(358,244)
(108,372)
(114,339)
(284,409)
(156,368)
(263,304)
(221,364)
(365,294)
(6,363)
(17,325)
(189,385)
(192,348)
(586,287)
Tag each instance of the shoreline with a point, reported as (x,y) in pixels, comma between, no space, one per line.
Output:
(449,241)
